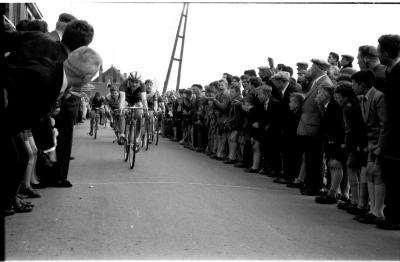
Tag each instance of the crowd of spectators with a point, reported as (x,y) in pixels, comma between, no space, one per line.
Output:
(42,75)
(333,132)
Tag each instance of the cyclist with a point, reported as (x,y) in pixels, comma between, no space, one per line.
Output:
(133,92)
(152,103)
(96,102)
(113,106)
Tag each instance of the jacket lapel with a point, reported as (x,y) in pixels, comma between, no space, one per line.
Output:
(369,102)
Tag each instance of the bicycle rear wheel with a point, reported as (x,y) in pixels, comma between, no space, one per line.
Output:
(132,147)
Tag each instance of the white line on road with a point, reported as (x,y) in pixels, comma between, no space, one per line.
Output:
(177,183)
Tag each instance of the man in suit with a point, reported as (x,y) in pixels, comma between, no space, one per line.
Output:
(62,22)
(333,138)
(282,93)
(30,97)
(367,58)
(309,127)
(389,55)
(373,109)
(265,119)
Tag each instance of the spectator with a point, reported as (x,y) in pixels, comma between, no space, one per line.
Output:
(309,128)
(389,55)
(373,109)
(367,58)
(333,59)
(38,25)
(346,68)
(62,22)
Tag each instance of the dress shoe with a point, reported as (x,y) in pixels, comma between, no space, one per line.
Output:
(295,185)
(29,192)
(40,185)
(239,165)
(272,174)
(281,180)
(22,208)
(62,183)
(368,219)
(8,212)
(251,170)
(230,161)
(309,192)
(384,224)
(354,210)
(326,199)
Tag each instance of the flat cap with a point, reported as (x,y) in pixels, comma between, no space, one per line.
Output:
(368,50)
(281,75)
(66,18)
(322,64)
(302,64)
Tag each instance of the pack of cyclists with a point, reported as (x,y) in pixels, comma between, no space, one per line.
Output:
(132,92)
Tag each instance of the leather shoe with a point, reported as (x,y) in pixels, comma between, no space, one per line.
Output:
(38,186)
(295,185)
(62,183)
(29,192)
(368,219)
(354,210)
(251,170)
(230,161)
(309,192)
(239,165)
(326,199)
(281,180)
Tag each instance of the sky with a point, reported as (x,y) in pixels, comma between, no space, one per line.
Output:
(224,37)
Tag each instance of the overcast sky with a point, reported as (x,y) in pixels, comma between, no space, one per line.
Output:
(224,37)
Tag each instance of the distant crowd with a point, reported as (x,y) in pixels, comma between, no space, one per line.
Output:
(333,132)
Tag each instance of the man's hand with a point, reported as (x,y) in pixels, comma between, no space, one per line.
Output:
(271,63)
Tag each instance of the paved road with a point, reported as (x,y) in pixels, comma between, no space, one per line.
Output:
(179,204)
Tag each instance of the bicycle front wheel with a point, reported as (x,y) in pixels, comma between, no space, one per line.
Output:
(132,147)
(126,144)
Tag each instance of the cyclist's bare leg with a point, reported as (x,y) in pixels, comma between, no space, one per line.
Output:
(139,119)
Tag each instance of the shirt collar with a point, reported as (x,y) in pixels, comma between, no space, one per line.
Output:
(283,91)
(368,93)
(64,83)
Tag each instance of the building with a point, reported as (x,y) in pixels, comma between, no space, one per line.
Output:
(111,75)
(14,12)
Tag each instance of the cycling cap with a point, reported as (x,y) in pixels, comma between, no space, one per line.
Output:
(134,76)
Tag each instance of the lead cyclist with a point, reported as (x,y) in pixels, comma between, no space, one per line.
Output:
(133,93)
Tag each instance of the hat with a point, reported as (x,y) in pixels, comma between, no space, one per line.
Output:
(82,62)
(66,18)
(281,75)
(368,50)
(322,64)
(302,65)
(348,57)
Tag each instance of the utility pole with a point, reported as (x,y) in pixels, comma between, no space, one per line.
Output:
(178,36)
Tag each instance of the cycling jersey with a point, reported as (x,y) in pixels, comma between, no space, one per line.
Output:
(151,98)
(132,94)
(96,103)
(113,103)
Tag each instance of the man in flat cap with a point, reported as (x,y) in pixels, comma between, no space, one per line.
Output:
(309,127)
(346,68)
(367,58)
(302,66)
(62,22)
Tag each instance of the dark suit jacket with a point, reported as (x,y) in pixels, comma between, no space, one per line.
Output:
(355,131)
(332,130)
(310,120)
(375,118)
(391,142)
(380,77)
(26,45)
(32,91)
(270,120)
